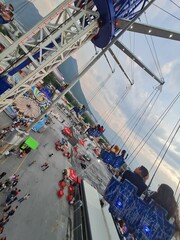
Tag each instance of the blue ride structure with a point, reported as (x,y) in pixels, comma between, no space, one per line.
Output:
(94,132)
(110,158)
(147,221)
(109,11)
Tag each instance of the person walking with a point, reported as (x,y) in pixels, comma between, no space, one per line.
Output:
(31,163)
(6,209)
(26,196)
(45,166)
(1,229)
(15,192)
(4,219)
(13,200)
(12,196)
(12,211)
(2,174)
(3,238)
(51,154)
(45,145)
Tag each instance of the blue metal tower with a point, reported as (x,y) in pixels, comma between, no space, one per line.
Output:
(110,11)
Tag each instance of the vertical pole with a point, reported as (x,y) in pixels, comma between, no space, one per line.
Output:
(177,188)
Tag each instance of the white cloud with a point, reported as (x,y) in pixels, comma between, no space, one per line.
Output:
(167,68)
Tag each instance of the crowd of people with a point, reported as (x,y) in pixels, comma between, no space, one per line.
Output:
(6,13)
(18,122)
(13,198)
(63,147)
(10,206)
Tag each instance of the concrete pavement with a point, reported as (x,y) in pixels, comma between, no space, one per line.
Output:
(5,120)
(43,216)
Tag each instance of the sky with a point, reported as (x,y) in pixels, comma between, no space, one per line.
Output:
(167,52)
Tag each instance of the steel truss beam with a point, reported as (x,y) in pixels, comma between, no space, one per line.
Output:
(148,30)
(66,29)
(136,60)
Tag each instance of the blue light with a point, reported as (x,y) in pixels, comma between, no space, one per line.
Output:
(147,230)
(119,203)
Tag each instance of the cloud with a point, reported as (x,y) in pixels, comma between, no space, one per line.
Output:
(167,68)
(47,6)
(106,98)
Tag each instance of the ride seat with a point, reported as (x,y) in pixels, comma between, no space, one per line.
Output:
(154,223)
(147,221)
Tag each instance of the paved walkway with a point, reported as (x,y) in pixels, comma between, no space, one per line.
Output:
(43,216)
(5,120)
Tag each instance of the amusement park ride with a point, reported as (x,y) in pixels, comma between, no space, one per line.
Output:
(66,29)
(62,32)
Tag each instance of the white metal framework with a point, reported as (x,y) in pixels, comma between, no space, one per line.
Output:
(48,44)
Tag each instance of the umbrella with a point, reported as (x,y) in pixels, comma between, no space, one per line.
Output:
(67,131)
(32,143)
(97,151)
(82,142)
(72,175)
(28,106)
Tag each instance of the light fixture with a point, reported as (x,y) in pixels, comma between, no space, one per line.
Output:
(147,230)
(119,203)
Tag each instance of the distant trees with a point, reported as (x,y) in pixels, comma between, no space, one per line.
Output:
(70,98)
(51,78)
(87,119)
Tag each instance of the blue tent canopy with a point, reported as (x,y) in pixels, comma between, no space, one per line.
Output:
(4,85)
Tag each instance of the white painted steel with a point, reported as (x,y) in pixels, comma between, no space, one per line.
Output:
(63,27)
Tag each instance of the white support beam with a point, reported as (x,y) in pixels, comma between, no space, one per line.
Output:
(54,40)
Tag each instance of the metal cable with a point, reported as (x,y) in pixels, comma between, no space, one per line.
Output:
(164,153)
(152,54)
(175,3)
(172,15)
(157,60)
(131,119)
(142,123)
(153,128)
(164,146)
(118,101)
(138,120)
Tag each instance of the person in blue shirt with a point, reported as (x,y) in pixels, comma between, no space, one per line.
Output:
(138,178)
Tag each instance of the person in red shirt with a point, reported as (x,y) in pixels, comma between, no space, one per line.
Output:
(101,129)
